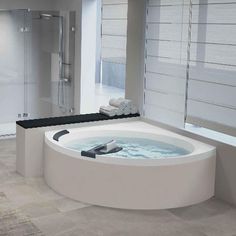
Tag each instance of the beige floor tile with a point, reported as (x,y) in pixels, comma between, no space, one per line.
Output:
(13,178)
(14,223)
(21,194)
(54,224)
(218,225)
(106,221)
(46,193)
(79,232)
(66,204)
(35,210)
(24,229)
(201,211)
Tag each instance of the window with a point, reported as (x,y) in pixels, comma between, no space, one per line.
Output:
(212,71)
(191,63)
(114,37)
(166,61)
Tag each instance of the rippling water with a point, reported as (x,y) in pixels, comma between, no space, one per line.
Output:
(133,148)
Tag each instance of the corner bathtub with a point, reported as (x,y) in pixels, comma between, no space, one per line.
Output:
(160,183)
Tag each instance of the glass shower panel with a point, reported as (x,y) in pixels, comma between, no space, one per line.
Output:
(51,64)
(12,68)
(36,65)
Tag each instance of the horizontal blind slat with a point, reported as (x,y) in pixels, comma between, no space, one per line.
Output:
(114,30)
(166,101)
(113,2)
(113,41)
(115,11)
(166,62)
(212,84)
(111,27)
(161,82)
(212,93)
(164,116)
(155,65)
(212,113)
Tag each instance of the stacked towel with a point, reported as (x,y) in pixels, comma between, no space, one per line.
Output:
(109,110)
(118,107)
(126,106)
(121,103)
(133,109)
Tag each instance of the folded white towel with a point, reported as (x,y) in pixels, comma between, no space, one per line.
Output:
(114,102)
(119,112)
(134,110)
(108,110)
(121,103)
(125,106)
(126,111)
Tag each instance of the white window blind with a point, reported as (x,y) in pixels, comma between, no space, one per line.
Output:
(212,73)
(114,30)
(167,27)
(193,45)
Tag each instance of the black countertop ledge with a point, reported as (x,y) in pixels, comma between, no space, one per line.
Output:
(64,120)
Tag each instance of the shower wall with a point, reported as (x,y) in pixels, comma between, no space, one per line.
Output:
(30,83)
(27,4)
(12,69)
(43,65)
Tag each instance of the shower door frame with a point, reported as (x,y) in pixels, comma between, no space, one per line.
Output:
(21,29)
(26,30)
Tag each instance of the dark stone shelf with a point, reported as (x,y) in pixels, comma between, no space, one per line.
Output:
(54,121)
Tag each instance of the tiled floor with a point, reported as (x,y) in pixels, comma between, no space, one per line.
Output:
(30,207)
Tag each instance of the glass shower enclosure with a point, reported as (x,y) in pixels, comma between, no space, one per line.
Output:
(36,66)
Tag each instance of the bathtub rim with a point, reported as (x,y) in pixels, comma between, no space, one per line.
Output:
(180,143)
(200,150)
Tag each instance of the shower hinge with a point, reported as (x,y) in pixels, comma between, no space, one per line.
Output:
(24,29)
(71,110)
(65,79)
(66,64)
(24,115)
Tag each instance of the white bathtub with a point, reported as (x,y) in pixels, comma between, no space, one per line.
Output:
(131,183)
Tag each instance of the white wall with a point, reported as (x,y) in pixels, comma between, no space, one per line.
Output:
(26,4)
(88,55)
(99,41)
(135,51)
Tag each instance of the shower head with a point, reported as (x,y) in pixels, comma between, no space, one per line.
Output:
(46,16)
